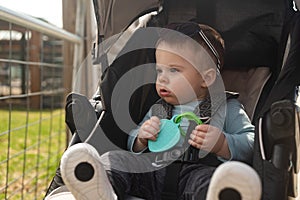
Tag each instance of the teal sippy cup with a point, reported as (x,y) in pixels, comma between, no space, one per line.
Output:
(170,132)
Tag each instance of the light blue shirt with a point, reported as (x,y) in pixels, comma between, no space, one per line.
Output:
(236,127)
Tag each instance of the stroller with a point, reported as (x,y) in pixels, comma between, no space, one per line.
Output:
(262,41)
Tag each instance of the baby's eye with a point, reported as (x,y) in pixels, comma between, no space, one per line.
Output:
(174,70)
(158,70)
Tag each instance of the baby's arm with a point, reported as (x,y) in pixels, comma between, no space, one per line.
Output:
(210,139)
(148,131)
(238,134)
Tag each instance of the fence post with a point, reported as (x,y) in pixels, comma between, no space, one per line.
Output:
(35,71)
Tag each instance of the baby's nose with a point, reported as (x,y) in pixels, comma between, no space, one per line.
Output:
(163,78)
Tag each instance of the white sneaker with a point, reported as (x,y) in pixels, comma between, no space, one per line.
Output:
(234,181)
(84,175)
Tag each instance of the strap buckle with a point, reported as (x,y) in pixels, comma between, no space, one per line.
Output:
(168,156)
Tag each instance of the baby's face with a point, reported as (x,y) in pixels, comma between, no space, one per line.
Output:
(178,81)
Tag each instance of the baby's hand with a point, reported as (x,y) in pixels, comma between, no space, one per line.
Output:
(149,130)
(208,138)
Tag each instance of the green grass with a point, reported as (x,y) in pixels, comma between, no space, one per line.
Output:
(31,145)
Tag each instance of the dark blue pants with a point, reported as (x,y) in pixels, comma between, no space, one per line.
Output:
(135,175)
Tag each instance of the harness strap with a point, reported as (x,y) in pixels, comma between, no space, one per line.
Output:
(191,155)
(171,180)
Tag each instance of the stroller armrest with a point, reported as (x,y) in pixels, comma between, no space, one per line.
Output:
(79,112)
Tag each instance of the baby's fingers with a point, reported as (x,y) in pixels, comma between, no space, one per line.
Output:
(150,129)
(202,127)
(155,121)
(149,136)
(152,125)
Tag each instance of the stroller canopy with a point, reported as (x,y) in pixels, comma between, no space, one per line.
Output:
(251,29)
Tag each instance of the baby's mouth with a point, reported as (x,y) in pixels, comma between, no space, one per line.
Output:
(164,92)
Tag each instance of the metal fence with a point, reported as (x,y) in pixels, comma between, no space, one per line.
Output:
(32,128)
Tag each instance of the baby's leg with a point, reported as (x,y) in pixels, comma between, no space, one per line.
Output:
(194,180)
(132,174)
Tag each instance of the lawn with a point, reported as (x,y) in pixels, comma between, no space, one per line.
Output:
(31,145)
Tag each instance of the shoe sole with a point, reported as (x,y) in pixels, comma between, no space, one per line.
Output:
(234,180)
(84,175)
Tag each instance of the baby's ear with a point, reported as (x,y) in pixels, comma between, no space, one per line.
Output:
(209,77)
